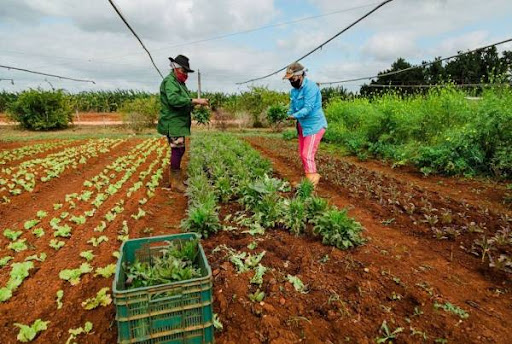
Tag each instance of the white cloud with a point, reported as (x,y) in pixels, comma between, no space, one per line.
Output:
(86,39)
(464,42)
(390,45)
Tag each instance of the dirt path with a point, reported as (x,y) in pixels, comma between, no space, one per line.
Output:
(397,275)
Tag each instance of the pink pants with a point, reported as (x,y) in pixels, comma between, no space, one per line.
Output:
(307,148)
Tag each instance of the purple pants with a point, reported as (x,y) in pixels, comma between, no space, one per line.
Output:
(177,151)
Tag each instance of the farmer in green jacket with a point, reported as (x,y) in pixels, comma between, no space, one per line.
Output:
(175,120)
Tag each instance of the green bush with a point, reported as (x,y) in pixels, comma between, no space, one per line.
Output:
(201,115)
(439,132)
(6,99)
(290,134)
(277,114)
(140,113)
(36,109)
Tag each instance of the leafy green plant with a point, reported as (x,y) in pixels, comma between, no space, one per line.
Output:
(305,189)
(101,227)
(277,114)
(141,213)
(106,271)
(60,295)
(97,241)
(75,332)
(30,223)
(337,229)
(28,333)
(56,244)
(297,283)
(102,298)
(202,219)
(259,271)
(316,206)
(295,216)
(5,260)
(38,232)
(19,271)
(41,214)
(257,296)
(18,246)
(73,275)
(62,231)
(79,220)
(217,324)
(41,258)
(87,255)
(176,263)
(448,307)
(12,235)
(387,335)
(201,115)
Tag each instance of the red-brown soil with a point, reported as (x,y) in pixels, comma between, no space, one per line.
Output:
(396,276)
(398,269)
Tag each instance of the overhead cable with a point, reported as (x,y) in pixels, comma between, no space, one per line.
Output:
(46,74)
(417,66)
(11,80)
(437,85)
(135,34)
(321,45)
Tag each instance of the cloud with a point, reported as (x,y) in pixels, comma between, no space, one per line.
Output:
(390,45)
(468,41)
(86,39)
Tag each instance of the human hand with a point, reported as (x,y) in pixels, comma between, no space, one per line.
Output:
(200,101)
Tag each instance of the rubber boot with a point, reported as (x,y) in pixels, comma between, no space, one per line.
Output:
(177,181)
(314,178)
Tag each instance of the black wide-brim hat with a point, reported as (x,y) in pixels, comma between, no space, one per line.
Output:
(183,62)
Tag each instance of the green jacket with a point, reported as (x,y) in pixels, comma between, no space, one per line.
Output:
(175,108)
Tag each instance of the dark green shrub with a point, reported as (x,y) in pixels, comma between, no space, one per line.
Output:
(201,115)
(41,110)
(277,115)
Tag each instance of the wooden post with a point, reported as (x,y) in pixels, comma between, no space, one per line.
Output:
(198,83)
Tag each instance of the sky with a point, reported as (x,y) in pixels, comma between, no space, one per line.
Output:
(232,41)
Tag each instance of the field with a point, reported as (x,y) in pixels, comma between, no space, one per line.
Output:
(432,263)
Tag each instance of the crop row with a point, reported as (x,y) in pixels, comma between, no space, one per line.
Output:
(218,173)
(480,231)
(23,177)
(93,197)
(9,155)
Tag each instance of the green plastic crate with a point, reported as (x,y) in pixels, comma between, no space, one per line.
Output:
(173,313)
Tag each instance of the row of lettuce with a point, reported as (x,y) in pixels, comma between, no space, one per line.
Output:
(219,174)
(94,215)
